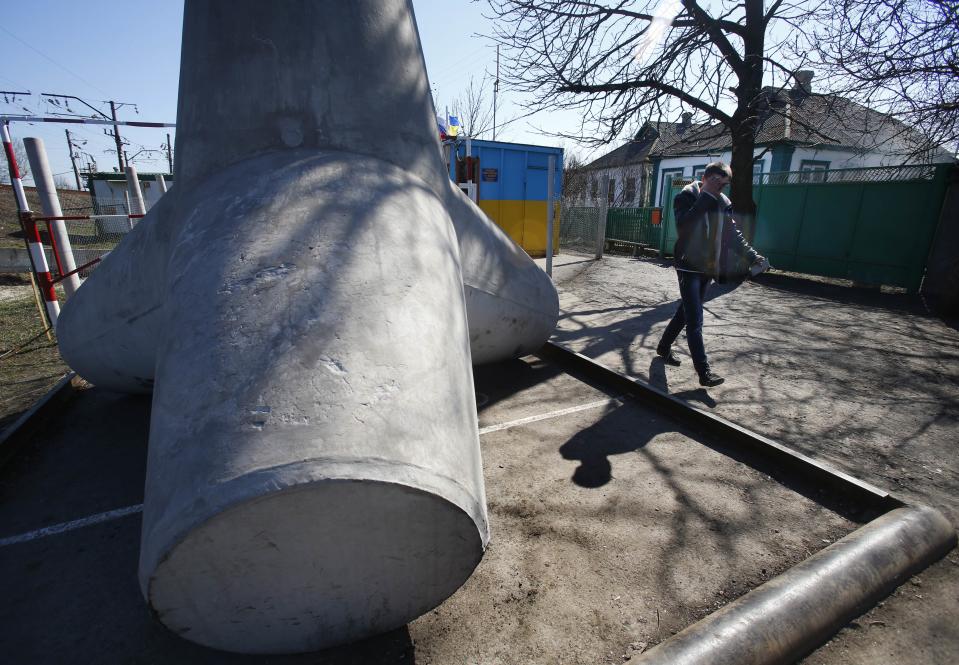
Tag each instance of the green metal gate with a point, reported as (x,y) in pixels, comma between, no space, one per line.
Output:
(632,225)
(872,225)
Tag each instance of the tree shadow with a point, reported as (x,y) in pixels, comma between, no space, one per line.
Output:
(495,382)
(864,380)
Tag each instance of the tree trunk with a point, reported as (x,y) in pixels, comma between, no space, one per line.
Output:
(744,208)
(746,118)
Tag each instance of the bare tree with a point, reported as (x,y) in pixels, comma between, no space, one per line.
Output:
(621,62)
(575,179)
(900,56)
(23,164)
(474,110)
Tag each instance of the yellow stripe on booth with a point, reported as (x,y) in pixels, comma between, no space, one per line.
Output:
(524,222)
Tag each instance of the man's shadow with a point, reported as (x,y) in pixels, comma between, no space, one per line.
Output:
(622,430)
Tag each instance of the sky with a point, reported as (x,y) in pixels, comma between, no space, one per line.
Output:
(129,52)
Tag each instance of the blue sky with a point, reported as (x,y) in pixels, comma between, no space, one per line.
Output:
(130,52)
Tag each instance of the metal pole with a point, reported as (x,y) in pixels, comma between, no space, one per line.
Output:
(161,183)
(790,615)
(126,198)
(495,91)
(39,263)
(603,208)
(550,195)
(169,154)
(116,135)
(73,161)
(50,205)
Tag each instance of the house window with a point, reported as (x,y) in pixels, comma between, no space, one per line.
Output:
(667,182)
(612,191)
(812,170)
(630,193)
(698,172)
(594,189)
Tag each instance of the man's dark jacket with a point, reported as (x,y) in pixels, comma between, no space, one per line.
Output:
(697,219)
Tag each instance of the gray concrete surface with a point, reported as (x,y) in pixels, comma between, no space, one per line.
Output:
(298,305)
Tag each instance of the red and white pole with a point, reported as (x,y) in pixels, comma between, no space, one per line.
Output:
(44,278)
(37,257)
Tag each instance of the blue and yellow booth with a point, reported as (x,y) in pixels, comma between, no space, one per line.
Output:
(511,187)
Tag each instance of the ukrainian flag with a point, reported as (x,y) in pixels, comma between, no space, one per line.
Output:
(453,128)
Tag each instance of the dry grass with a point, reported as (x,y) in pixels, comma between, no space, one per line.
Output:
(29,362)
(71,201)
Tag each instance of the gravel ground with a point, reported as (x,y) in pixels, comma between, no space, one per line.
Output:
(865,380)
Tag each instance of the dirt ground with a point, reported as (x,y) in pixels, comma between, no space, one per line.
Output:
(865,380)
(613,527)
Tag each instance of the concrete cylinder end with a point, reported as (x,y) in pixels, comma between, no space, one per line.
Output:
(314,566)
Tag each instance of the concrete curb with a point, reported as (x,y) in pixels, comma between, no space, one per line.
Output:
(793,614)
(16,434)
(796,612)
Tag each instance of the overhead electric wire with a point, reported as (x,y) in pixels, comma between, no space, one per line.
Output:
(63,67)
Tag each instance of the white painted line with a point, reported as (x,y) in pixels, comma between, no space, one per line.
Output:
(71,526)
(111,515)
(552,414)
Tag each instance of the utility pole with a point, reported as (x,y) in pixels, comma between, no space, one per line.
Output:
(495,91)
(169,153)
(76,173)
(116,136)
(113,116)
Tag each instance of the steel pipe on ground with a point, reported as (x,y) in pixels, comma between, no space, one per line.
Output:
(791,615)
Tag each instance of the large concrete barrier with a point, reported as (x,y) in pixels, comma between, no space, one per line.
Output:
(306,305)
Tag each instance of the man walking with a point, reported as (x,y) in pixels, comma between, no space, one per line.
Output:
(709,247)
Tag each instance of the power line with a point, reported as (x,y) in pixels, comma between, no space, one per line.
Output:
(66,69)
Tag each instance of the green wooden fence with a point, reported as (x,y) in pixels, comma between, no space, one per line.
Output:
(873,225)
(632,225)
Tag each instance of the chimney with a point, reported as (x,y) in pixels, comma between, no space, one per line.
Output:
(803,86)
(687,121)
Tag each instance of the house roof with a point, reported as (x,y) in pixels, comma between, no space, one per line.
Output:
(632,152)
(811,120)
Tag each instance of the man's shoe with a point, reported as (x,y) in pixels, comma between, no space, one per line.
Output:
(709,379)
(670,357)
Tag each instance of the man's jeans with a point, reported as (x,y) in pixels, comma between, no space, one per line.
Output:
(692,290)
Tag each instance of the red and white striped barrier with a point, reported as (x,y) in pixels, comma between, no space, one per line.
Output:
(37,257)
(81,121)
(44,278)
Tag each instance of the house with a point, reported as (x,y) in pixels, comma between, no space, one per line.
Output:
(109,190)
(798,131)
